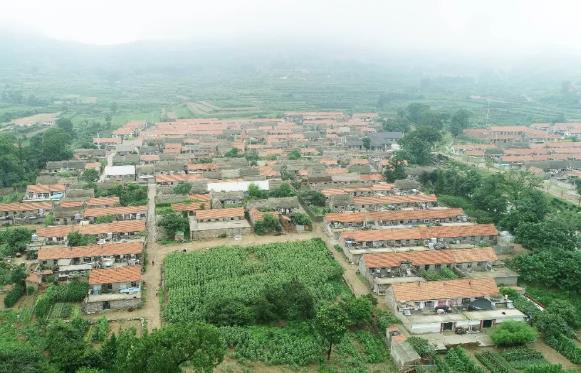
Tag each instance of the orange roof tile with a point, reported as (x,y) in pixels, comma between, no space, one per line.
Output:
(121,210)
(394,200)
(109,249)
(49,188)
(194,206)
(115,275)
(103,201)
(426,257)
(351,217)
(127,226)
(220,213)
(448,289)
(418,233)
(25,206)
(176,178)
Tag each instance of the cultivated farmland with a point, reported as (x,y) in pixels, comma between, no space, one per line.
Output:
(241,273)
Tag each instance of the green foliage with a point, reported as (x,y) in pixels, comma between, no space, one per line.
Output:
(547,368)
(284,190)
(358,310)
(196,280)
(366,142)
(314,197)
(459,121)
(294,155)
(417,145)
(422,347)
(395,171)
(523,357)
(129,194)
(300,218)
(331,322)
(101,330)
(255,192)
(286,301)
(90,176)
(554,232)
(566,347)
(78,239)
(72,292)
(232,153)
(15,240)
(385,319)
(295,344)
(434,275)
(494,362)
(105,219)
(182,188)
(459,361)
(17,291)
(172,223)
(49,219)
(513,333)
(16,356)
(268,224)
(66,346)
(169,348)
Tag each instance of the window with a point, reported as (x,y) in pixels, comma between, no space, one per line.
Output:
(438,267)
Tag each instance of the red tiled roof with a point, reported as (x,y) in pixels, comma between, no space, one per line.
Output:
(177,178)
(418,233)
(194,206)
(220,213)
(106,140)
(201,166)
(394,200)
(121,210)
(25,206)
(115,275)
(351,217)
(110,249)
(127,226)
(426,257)
(103,201)
(41,188)
(448,289)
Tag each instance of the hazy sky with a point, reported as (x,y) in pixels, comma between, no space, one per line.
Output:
(472,26)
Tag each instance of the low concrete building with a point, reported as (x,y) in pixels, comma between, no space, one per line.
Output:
(24,213)
(217,223)
(439,306)
(115,231)
(42,192)
(120,173)
(118,213)
(113,289)
(384,269)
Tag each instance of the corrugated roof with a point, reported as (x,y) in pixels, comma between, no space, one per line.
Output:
(418,233)
(448,289)
(115,275)
(64,252)
(390,260)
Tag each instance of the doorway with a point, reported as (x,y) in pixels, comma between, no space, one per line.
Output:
(447,326)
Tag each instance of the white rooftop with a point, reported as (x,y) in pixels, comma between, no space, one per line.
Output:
(120,170)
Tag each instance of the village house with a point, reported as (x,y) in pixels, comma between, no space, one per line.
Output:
(113,288)
(376,203)
(96,202)
(67,212)
(90,155)
(227,199)
(70,262)
(358,242)
(72,166)
(115,231)
(120,173)
(175,179)
(24,213)
(439,306)
(107,143)
(41,192)
(378,219)
(118,213)
(384,140)
(217,223)
(387,268)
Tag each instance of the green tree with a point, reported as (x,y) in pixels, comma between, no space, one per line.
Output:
(78,239)
(90,176)
(395,171)
(11,167)
(415,111)
(460,121)
(300,218)
(294,155)
(18,356)
(232,153)
(366,142)
(182,188)
(226,312)
(66,346)
(513,333)
(65,124)
(284,190)
(169,348)
(105,219)
(314,197)
(418,144)
(268,224)
(254,191)
(566,311)
(359,310)
(331,322)
(173,223)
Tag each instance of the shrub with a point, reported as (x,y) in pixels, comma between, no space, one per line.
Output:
(494,362)
(513,333)
(299,218)
(14,295)
(546,368)
(459,361)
